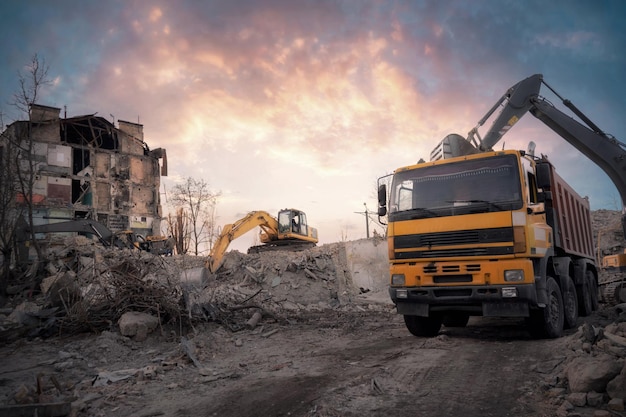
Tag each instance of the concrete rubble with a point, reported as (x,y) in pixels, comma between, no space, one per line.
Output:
(593,372)
(91,288)
(125,296)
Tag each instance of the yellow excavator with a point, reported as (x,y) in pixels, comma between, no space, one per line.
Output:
(289,232)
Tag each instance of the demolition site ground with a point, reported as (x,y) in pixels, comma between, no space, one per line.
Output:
(273,334)
(330,364)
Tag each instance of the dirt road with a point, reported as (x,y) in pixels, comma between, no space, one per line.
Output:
(351,363)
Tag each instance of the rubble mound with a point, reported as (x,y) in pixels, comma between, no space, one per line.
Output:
(282,284)
(89,288)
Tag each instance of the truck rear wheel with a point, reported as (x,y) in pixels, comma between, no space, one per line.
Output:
(585,296)
(594,291)
(548,321)
(570,303)
(423,326)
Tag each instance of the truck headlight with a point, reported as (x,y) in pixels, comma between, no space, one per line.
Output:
(402,293)
(397,279)
(514,275)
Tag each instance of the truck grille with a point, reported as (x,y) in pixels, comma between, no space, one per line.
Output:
(422,243)
(450,269)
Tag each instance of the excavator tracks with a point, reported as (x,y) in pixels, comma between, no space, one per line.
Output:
(281,246)
(614,293)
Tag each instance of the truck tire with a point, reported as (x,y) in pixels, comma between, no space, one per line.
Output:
(456,320)
(423,326)
(547,322)
(585,301)
(570,303)
(594,291)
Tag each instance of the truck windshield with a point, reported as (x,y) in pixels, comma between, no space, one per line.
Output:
(463,187)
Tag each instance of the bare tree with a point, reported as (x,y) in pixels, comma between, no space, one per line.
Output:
(8,209)
(31,82)
(198,203)
(19,167)
(178,228)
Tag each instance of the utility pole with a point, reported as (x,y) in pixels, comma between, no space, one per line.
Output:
(367,220)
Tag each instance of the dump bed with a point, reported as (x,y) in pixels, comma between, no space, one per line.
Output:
(570,217)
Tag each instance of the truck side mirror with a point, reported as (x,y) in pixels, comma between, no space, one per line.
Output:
(543,176)
(382,200)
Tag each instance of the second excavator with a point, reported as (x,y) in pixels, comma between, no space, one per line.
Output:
(289,232)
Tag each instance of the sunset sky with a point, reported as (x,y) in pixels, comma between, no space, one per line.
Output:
(304,104)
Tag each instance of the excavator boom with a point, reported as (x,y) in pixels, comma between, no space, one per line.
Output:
(232,231)
(604,150)
(518,101)
(81,226)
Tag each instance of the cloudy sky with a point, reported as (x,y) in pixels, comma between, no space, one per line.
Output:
(304,104)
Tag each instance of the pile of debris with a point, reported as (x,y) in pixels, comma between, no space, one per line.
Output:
(592,373)
(89,288)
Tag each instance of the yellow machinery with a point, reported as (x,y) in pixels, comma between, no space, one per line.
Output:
(289,232)
(497,233)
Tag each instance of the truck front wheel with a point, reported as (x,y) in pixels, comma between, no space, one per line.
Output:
(548,321)
(423,326)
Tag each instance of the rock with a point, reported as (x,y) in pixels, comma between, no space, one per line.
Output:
(564,409)
(616,388)
(616,404)
(586,374)
(25,314)
(556,392)
(589,334)
(62,289)
(137,325)
(595,399)
(578,399)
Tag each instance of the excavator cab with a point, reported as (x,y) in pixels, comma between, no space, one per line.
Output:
(292,221)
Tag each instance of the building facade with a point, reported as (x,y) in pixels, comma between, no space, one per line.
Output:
(85,167)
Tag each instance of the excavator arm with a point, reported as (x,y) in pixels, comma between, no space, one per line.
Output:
(603,149)
(230,232)
(121,240)
(518,101)
(81,226)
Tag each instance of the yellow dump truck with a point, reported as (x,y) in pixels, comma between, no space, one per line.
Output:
(494,233)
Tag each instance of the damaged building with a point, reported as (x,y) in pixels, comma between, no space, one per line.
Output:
(86,168)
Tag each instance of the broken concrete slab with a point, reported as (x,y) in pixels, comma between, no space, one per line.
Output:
(137,325)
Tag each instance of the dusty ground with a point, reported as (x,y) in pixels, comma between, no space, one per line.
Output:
(332,363)
(325,346)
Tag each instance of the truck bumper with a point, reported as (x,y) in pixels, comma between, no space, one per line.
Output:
(487,301)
